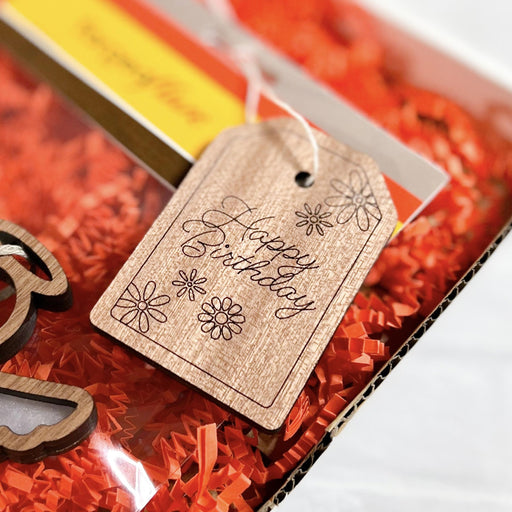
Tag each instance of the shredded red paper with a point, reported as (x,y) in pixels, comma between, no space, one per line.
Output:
(158,444)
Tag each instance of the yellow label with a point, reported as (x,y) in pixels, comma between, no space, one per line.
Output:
(170,92)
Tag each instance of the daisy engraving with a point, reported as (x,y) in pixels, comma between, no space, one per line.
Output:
(355,199)
(313,219)
(142,308)
(221,318)
(190,284)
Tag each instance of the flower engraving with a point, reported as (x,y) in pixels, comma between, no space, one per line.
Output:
(190,284)
(355,199)
(221,318)
(143,307)
(313,219)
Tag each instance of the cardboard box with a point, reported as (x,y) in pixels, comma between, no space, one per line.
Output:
(428,67)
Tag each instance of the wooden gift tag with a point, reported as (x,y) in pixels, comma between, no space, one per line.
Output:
(241,282)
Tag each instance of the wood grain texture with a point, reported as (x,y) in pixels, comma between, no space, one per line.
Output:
(32,291)
(46,440)
(241,282)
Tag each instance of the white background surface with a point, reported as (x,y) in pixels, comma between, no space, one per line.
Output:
(437,435)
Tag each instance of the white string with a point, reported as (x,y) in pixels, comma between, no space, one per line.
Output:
(222,9)
(305,125)
(12,250)
(245,57)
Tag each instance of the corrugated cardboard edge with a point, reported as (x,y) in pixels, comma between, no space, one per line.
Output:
(339,423)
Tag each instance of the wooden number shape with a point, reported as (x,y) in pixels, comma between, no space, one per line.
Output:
(46,440)
(32,291)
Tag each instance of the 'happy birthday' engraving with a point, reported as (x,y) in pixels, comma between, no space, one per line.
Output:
(235,234)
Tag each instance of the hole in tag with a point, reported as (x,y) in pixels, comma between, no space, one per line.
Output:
(304,179)
(22,414)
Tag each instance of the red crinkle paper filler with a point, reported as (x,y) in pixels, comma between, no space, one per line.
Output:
(159,445)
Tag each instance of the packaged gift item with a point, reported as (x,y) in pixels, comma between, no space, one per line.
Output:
(166,96)
(159,444)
